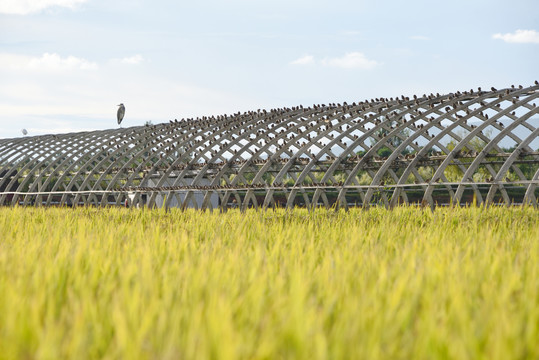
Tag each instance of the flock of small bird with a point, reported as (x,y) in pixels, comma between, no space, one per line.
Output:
(287,135)
(281,128)
(291,135)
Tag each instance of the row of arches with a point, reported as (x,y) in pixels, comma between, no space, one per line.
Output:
(471,146)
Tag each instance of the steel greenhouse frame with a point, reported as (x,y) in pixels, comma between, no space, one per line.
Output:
(427,150)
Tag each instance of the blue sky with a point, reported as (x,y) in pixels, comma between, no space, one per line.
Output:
(66,64)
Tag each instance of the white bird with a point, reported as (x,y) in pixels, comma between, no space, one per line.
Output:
(24,132)
(121,113)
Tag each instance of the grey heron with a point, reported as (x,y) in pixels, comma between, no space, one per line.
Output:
(120,114)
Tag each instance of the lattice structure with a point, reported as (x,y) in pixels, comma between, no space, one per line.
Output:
(472,146)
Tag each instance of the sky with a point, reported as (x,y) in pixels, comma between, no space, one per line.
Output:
(65,65)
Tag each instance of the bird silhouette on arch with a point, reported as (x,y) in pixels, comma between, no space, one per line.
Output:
(120,114)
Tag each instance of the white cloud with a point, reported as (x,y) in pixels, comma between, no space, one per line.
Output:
(45,63)
(133,60)
(24,7)
(519,36)
(55,62)
(353,60)
(307,59)
(12,61)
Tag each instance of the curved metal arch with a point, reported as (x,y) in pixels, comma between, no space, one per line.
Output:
(242,149)
(366,134)
(376,179)
(201,155)
(45,172)
(320,152)
(83,176)
(476,162)
(459,122)
(82,173)
(25,156)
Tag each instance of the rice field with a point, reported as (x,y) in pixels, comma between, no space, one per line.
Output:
(137,284)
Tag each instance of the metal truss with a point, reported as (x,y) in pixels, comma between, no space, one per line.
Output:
(474,146)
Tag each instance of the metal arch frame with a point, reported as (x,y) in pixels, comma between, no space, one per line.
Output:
(462,143)
(24,156)
(251,157)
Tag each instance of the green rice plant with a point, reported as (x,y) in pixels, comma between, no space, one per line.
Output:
(456,283)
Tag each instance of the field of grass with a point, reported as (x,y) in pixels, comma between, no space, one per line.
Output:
(378,284)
